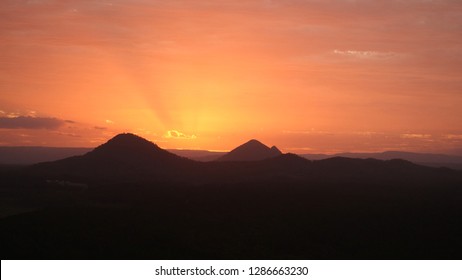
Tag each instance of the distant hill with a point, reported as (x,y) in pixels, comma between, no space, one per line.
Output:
(28,155)
(199,155)
(32,155)
(427,159)
(251,151)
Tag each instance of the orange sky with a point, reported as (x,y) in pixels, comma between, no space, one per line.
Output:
(308,76)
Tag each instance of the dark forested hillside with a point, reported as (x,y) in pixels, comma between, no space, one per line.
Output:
(129,199)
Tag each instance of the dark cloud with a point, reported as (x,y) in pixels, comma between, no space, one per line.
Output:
(100,127)
(31,122)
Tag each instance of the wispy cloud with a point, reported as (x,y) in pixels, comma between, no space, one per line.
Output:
(416,136)
(69,134)
(28,122)
(365,54)
(307,132)
(453,136)
(175,134)
(324,132)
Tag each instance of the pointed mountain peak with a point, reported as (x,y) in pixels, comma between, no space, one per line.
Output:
(276,150)
(251,151)
(254,142)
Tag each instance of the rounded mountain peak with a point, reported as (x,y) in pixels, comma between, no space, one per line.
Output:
(127,141)
(128,146)
(127,138)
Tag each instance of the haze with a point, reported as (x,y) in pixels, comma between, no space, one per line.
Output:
(307,76)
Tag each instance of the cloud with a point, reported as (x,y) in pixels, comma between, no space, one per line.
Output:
(453,136)
(331,133)
(307,132)
(175,134)
(415,136)
(366,54)
(69,134)
(100,127)
(29,122)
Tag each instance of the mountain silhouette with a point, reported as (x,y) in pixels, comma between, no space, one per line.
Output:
(128,148)
(130,158)
(27,155)
(427,159)
(252,150)
(281,207)
(124,157)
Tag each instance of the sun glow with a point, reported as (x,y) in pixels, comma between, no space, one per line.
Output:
(230,71)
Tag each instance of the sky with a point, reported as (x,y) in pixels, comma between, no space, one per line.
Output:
(308,76)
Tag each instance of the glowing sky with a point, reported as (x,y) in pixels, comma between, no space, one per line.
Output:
(308,75)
